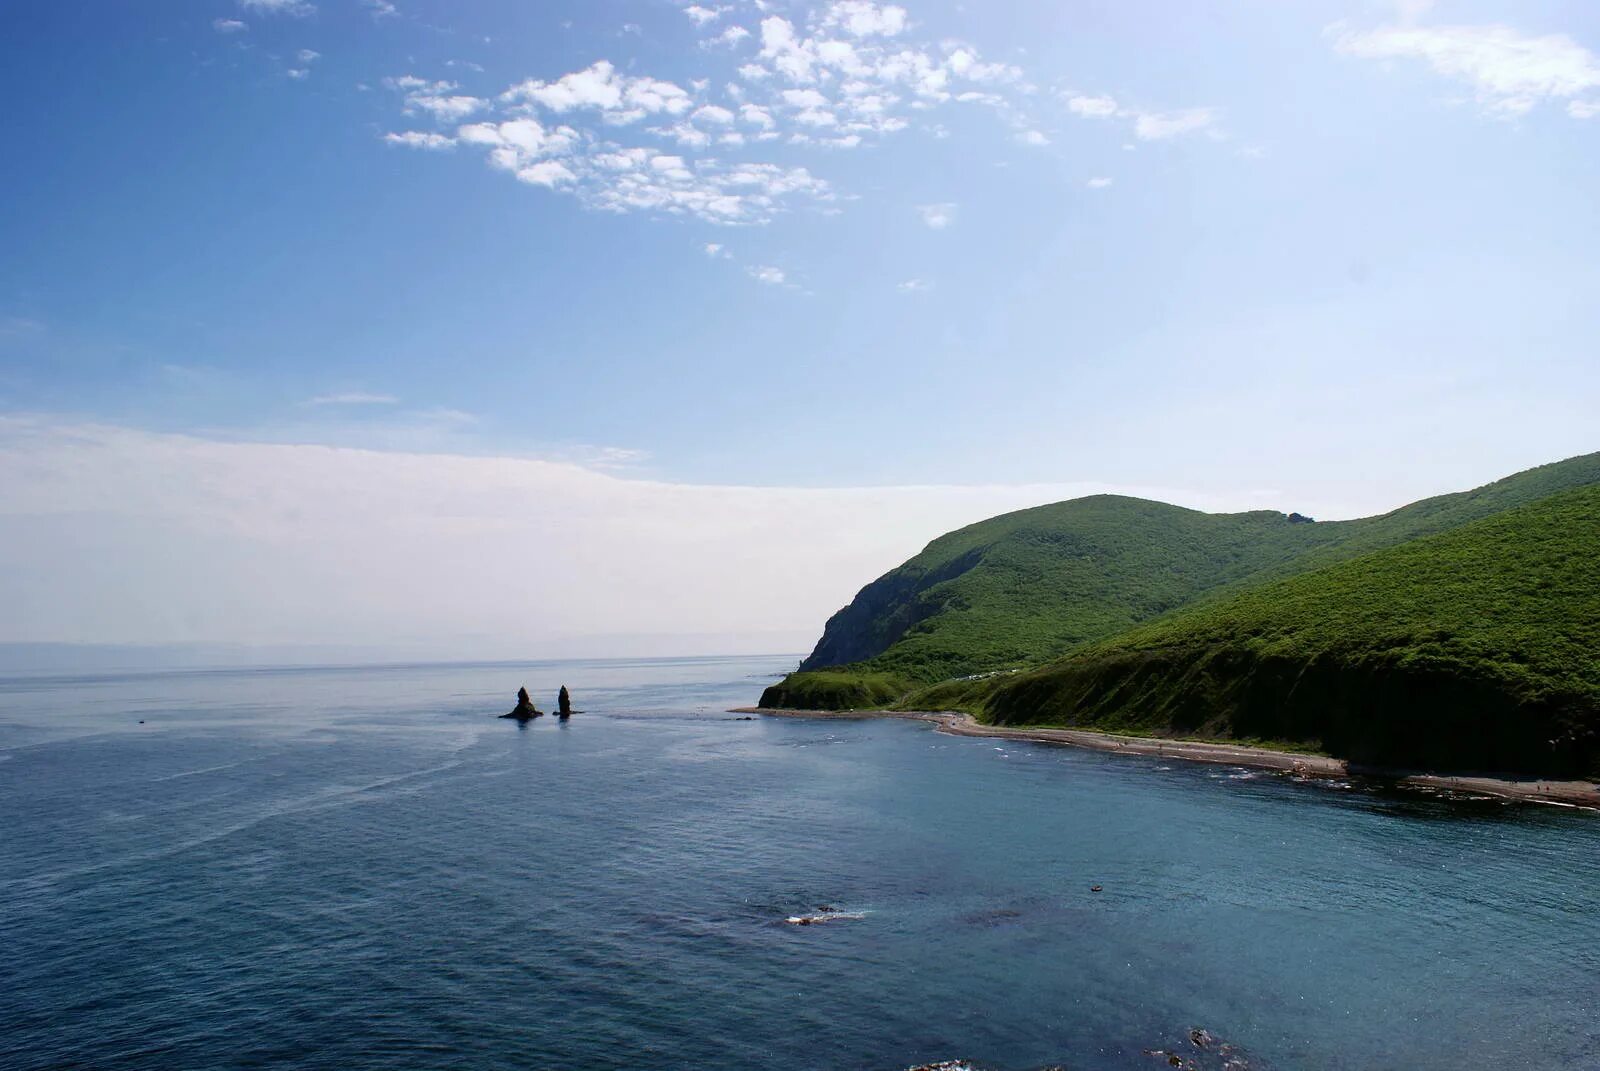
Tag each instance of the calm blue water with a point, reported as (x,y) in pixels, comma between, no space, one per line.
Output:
(364,869)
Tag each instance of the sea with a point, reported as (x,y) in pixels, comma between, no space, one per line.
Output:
(363,867)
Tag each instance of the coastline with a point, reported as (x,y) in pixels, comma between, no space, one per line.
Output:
(1581,794)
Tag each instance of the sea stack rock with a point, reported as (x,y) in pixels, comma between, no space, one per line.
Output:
(564,704)
(525,708)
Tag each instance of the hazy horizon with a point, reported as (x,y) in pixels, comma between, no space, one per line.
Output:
(412,325)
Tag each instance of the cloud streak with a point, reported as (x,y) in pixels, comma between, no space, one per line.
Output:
(109,534)
(352,398)
(1510,73)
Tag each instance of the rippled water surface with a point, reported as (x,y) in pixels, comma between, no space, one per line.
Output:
(363,868)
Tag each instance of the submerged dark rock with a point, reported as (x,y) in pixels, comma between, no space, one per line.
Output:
(1214,1054)
(525,708)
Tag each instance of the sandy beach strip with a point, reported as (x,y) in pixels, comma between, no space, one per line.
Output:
(1584,794)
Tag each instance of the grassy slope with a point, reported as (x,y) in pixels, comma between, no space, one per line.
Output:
(1027,585)
(1475,649)
(1019,589)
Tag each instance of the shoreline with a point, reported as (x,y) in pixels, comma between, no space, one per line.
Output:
(1580,794)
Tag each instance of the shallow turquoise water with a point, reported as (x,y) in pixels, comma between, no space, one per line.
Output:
(364,869)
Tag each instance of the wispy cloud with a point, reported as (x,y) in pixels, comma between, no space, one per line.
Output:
(915,286)
(1092,107)
(353,397)
(1156,126)
(606,458)
(764,273)
(297,8)
(1510,72)
(229,26)
(1099,182)
(938,216)
(20,326)
(1147,125)
(420,139)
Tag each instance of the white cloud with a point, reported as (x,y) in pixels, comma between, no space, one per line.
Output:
(546,173)
(730,37)
(914,286)
(1155,126)
(1033,137)
(964,63)
(712,113)
(451,109)
(862,18)
(1510,72)
(1092,107)
(308,55)
(685,134)
(420,139)
(114,535)
(381,9)
(409,83)
(755,115)
(702,16)
(783,47)
(298,73)
(804,98)
(228,26)
(1583,109)
(938,216)
(1147,125)
(620,98)
(769,275)
(354,397)
(714,249)
(625,179)
(517,142)
(1098,183)
(843,81)
(297,8)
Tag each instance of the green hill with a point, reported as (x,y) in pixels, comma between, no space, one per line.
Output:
(1020,589)
(1476,649)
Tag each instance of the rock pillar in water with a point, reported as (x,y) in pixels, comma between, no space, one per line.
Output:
(525,708)
(564,703)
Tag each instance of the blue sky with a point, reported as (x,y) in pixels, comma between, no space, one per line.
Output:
(1328,256)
